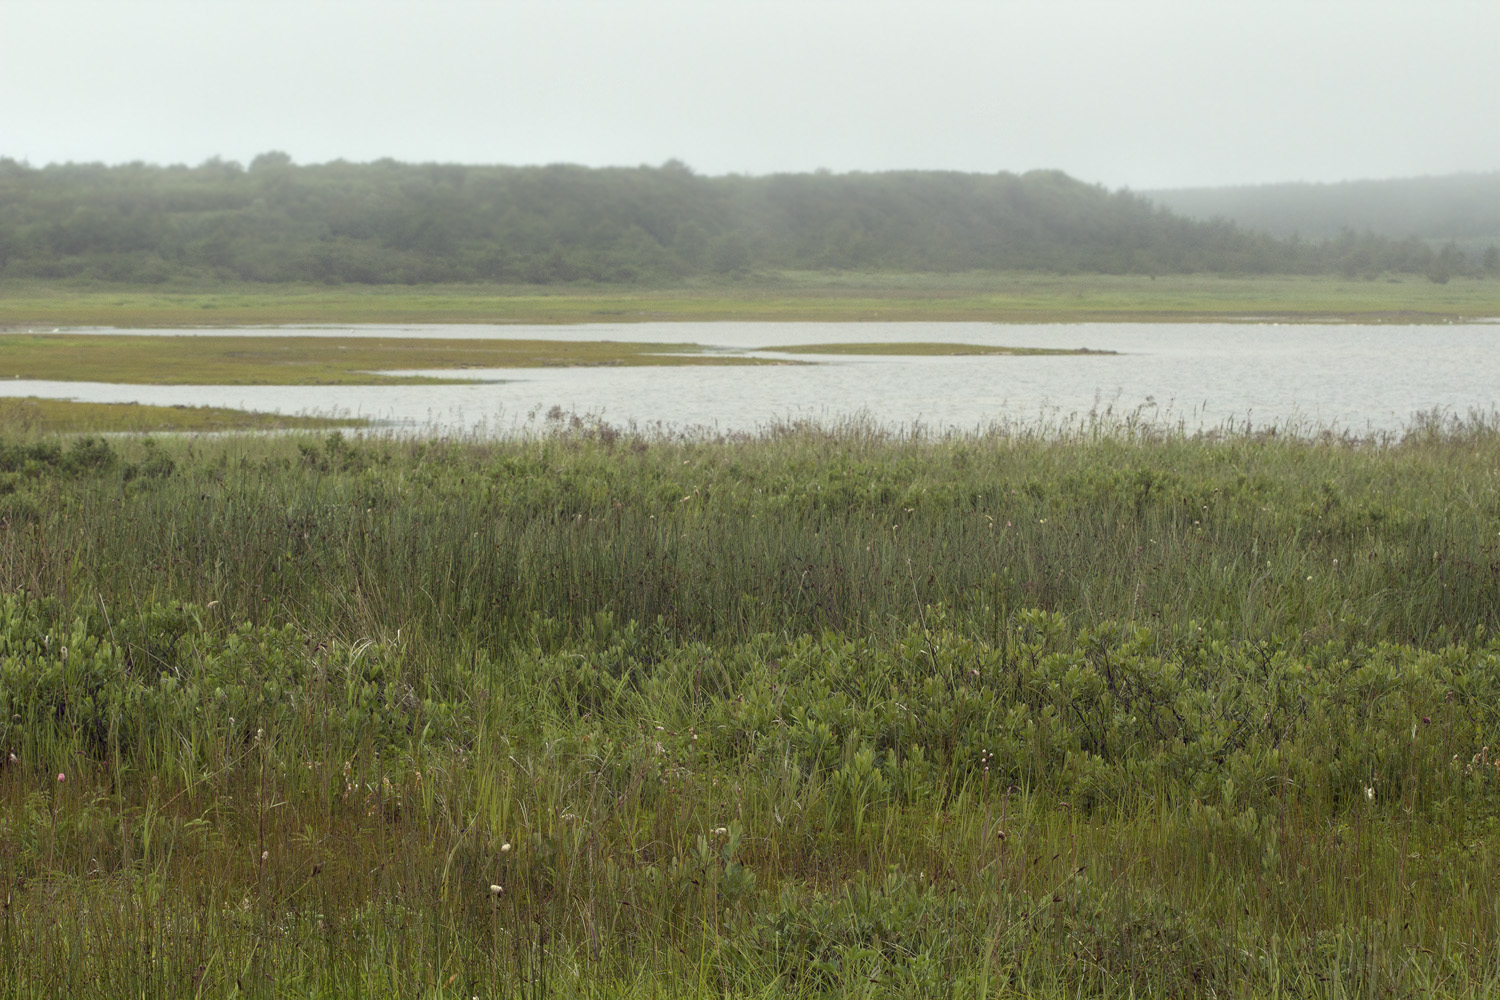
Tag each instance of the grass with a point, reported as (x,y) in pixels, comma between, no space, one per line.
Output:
(31,415)
(930,350)
(1089,709)
(1002,297)
(312,360)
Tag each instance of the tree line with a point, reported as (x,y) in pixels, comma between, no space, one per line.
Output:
(1459,207)
(391,222)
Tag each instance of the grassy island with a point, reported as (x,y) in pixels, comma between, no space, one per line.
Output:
(30,415)
(933,350)
(310,360)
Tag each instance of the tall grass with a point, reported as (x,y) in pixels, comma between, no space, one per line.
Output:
(787,533)
(810,713)
(1015,297)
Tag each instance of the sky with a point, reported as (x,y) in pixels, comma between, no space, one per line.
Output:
(1126,93)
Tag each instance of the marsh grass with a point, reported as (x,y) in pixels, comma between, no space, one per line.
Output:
(1100,709)
(926,349)
(30,415)
(1013,297)
(316,360)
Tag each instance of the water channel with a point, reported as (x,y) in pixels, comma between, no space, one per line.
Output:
(1346,377)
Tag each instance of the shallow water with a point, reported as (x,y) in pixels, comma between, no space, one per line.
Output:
(1348,377)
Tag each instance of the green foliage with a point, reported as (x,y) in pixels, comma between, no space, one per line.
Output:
(33,416)
(792,534)
(408,224)
(1083,712)
(891,927)
(140,686)
(37,459)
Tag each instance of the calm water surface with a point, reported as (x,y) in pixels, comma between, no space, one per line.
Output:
(1357,378)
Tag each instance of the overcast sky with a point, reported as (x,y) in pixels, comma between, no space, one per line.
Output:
(1137,93)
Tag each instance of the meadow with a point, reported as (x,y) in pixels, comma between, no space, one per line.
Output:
(246,359)
(1004,297)
(310,360)
(1100,708)
(30,415)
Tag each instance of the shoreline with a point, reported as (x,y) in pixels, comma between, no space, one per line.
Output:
(993,298)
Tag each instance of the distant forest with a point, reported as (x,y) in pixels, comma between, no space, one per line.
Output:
(1464,208)
(390,222)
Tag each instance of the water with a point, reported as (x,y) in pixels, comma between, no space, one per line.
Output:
(1347,377)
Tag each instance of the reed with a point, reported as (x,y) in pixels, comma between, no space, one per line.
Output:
(1085,709)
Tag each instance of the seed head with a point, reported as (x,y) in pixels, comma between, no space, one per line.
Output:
(496,890)
(505,848)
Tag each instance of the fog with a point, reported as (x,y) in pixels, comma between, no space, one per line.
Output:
(1150,93)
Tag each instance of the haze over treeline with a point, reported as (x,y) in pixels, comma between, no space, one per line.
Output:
(1461,207)
(390,222)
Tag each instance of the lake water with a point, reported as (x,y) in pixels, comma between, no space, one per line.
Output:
(1347,377)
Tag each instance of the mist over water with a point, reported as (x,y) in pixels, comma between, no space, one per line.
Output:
(1344,377)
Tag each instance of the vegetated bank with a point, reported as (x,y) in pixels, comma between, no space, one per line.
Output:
(313,360)
(1008,297)
(820,711)
(395,223)
(31,415)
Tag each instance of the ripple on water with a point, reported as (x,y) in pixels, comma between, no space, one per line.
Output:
(1351,377)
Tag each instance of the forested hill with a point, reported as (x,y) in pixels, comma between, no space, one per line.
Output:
(1460,207)
(394,222)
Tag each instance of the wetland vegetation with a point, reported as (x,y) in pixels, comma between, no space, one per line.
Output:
(926,349)
(1094,709)
(311,360)
(33,416)
(320,360)
(787,296)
